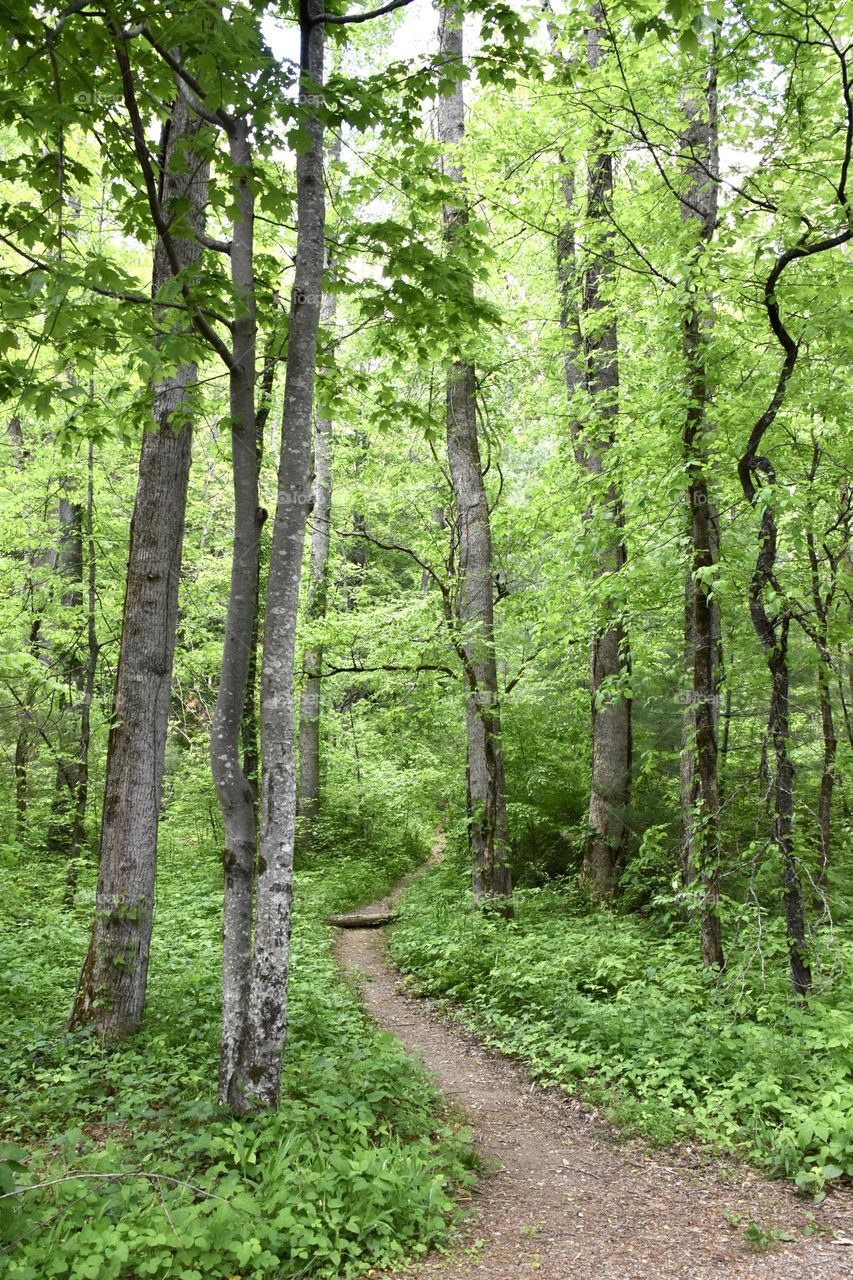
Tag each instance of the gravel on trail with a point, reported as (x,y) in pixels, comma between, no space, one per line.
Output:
(563,1198)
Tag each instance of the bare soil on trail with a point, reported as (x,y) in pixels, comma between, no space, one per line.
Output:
(562,1198)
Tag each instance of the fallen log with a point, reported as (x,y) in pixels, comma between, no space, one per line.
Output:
(375,920)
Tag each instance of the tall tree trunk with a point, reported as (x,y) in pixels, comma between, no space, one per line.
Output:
(758,480)
(250,728)
(772,631)
(823,603)
(233,788)
(308,804)
(846,657)
(111,989)
(610,792)
(24,737)
(488,828)
(782,826)
(20,455)
(700,796)
(69,570)
(90,668)
(256,1080)
(309,703)
(591,365)
(827,776)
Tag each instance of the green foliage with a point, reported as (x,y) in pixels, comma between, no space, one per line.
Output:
(121,1164)
(620,1010)
(152,1176)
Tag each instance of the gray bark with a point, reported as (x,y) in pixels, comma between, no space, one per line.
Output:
(233,788)
(845,664)
(308,807)
(87,691)
(822,602)
(700,790)
(69,570)
(772,626)
(488,831)
(257,1076)
(610,789)
(590,364)
(250,727)
(20,455)
(111,988)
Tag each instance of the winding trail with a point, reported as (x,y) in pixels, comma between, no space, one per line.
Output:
(563,1200)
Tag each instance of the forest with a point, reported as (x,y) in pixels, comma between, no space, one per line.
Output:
(426,670)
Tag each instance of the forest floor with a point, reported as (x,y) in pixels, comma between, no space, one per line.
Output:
(563,1197)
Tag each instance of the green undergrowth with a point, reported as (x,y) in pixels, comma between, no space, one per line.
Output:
(621,1011)
(150,1178)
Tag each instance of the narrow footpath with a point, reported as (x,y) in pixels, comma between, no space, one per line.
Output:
(563,1198)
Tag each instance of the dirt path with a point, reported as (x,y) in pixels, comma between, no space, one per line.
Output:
(566,1200)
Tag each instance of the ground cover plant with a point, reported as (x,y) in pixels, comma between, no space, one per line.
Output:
(615,1008)
(141,1172)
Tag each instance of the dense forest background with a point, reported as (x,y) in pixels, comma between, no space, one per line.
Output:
(517,376)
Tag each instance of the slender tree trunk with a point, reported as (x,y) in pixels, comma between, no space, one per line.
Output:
(827,777)
(820,636)
(69,570)
(233,787)
(21,768)
(758,480)
(700,796)
(846,658)
(81,788)
(848,569)
(610,793)
(111,989)
(591,365)
(309,705)
(782,828)
(250,728)
(257,1076)
(772,631)
(24,738)
(15,440)
(308,805)
(487,814)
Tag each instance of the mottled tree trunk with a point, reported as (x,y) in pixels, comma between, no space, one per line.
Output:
(700,795)
(20,454)
(233,787)
(69,570)
(250,726)
(487,813)
(822,603)
(782,825)
(308,805)
(87,691)
(111,989)
(772,631)
(610,792)
(591,365)
(827,776)
(256,1080)
(846,663)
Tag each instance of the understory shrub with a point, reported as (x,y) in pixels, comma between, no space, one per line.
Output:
(140,1173)
(622,1011)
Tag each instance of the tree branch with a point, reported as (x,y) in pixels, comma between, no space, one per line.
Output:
(390,666)
(339,19)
